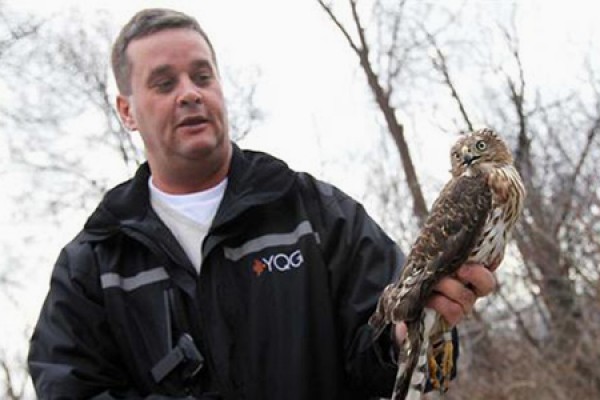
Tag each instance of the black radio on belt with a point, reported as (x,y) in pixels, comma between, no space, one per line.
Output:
(185,355)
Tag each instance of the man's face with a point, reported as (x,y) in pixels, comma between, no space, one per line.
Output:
(176,100)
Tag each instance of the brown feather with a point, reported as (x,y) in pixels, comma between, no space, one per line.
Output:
(451,230)
(469,222)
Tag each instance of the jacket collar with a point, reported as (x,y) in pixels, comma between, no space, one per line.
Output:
(254,178)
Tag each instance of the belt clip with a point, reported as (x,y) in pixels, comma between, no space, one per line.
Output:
(184,353)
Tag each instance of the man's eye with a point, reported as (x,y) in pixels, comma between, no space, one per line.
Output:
(202,79)
(164,85)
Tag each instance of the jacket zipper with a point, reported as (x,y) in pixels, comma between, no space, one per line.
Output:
(162,251)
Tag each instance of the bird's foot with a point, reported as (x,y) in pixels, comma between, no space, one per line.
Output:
(447,360)
(434,372)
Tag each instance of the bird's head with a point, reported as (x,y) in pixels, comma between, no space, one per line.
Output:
(478,152)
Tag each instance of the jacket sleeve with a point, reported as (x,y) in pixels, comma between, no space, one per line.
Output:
(362,260)
(72,353)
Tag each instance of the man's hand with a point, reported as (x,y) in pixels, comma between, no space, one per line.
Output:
(454,297)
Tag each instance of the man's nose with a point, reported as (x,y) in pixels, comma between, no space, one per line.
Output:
(190,94)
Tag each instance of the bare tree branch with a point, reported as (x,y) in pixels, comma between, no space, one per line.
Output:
(570,191)
(440,64)
(11,392)
(329,11)
(13,31)
(382,99)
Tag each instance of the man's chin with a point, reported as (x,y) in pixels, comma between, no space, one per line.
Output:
(205,148)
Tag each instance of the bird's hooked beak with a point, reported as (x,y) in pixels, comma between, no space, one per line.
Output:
(468,157)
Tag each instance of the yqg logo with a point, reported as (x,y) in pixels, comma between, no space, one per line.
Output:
(279,262)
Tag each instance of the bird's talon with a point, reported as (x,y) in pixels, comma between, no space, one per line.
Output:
(434,372)
(447,363)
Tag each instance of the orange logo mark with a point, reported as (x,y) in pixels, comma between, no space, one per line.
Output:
(258,267)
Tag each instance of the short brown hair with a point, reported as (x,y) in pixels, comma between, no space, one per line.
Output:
(144,23)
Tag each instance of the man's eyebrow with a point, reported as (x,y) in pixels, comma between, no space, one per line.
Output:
(199,64)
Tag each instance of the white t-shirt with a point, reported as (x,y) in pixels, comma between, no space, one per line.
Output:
(188,216)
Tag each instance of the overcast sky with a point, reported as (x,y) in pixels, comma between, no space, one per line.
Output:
(311,89)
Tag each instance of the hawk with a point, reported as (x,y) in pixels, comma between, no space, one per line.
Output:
(469,223)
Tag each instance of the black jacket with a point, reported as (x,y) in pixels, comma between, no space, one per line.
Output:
(292,271)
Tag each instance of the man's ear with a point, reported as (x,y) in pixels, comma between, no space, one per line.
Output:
(125,111)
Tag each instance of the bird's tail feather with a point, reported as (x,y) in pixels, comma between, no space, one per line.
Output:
(412,371)
(406,366)
(379,319)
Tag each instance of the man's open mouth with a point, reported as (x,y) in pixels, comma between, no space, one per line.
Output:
(192,121)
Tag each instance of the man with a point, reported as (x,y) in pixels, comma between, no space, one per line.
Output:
(216,272)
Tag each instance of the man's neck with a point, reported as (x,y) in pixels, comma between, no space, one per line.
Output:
(193,178)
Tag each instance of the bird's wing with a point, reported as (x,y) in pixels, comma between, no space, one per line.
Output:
(445,242)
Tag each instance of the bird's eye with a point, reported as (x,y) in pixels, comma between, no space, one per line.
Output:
(481,145)
(455,155)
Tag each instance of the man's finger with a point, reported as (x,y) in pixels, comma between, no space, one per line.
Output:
(450,310)
(456,291)
(478,278)
(400,332)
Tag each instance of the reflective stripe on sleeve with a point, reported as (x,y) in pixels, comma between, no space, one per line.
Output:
(111,279)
